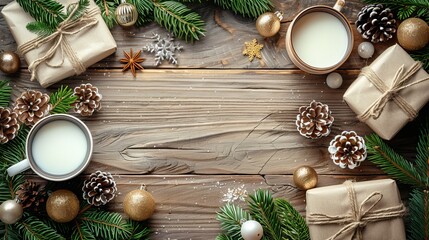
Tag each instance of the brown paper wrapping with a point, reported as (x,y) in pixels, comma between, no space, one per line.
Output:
(334,200)
(362,93)
(90,45)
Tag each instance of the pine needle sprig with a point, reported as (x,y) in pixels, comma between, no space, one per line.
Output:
(5,93)
(405,8)
(293,224)
(49,12)
(246,8)
(226,237)
(138,230)
(106,225)
(82,6)
(31,228)
(40,28)
(145,10)
(180,20)
(422,157)
(107,9)
(62,100)
(418,219)
(231,217)
(422,55)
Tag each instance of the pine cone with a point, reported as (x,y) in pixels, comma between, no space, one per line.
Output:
(31,195)
(8,125)
(314,121)
(88,99)
(376,23)
(347,149)
(32,106)
(99,189)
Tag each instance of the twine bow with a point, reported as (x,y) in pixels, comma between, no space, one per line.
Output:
(360,215)
(69,26)
(391,93)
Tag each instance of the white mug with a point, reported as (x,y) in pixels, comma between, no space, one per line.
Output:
(58,147)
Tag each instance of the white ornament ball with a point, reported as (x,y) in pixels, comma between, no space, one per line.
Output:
(251,230)
(366,50)
(10,211)
(334,80)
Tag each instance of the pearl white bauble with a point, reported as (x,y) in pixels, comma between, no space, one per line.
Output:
(251,230)
(334,80)
(366,50)
(10,211)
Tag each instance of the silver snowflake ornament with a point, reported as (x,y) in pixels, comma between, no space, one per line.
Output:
(164,49)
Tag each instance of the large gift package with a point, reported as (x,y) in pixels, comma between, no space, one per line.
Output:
(76,45)
(390,92)
(363,210)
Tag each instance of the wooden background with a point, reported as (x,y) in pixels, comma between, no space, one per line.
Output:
(216,121)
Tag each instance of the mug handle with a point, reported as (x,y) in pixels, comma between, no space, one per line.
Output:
(339,5)
(18,167)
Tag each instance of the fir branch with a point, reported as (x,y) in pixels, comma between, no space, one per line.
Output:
(245,7)
(31,228)
(138,230)
(225,237)
(422,55)
(418,219)
(405,8)
(392,163)
(107,9)
(82,232)
(40,28)
(293,224)
(230,217)
(107,225)
(62,100)
(422,158)
(5,93)
(179,20)
(49,12)
(263,209)
(145,10)
(82,6)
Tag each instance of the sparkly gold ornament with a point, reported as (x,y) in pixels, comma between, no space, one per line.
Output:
(268,24)
(9,62)
(126,14)
(10,212)
(139,205)
(62,206)
(253,49)
(413,34)
(305,177)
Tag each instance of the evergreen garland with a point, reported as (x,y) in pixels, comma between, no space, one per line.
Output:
(277,217)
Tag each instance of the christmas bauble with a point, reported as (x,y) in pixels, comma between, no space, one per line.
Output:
(268,24)
(366,50)
(139,205)
(126,14)
(334,80)
(251,230)
(9,62)
(305,177)
(62,206)
(413,34)
(10,212)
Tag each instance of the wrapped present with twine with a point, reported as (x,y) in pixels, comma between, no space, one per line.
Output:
(363,210)
(390,92)
(74,46)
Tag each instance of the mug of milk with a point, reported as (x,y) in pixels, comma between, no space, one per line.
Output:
(319,39)
(58,148)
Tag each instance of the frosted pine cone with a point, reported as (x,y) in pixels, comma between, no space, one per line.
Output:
(88,99)
(348,150)
(99,189)
(31,195)
(315,120)
(376,23)
(32,106)
(8,125)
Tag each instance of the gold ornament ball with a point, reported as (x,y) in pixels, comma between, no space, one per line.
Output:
(305,177)
(413,34)
(9,62)
(62,206)
(268,24)
(139,205)
(126,14)
(10,212)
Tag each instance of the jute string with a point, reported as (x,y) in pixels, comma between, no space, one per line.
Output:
(391,92)
(360,215)
(69,26)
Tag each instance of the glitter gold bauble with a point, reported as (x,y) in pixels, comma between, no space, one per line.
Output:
(305,177)
(139,205)
(10,212)
(62,206)
(126,14)
(9,62)
(413,34)
(268,24)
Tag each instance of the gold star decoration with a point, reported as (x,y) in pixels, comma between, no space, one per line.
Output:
(253,49)
(132,61)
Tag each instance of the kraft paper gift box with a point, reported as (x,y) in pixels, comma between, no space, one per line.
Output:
(389,106)
(363,210)
(88,46)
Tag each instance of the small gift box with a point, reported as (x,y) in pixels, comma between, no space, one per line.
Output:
(76,44)
(364,210)
(389,92)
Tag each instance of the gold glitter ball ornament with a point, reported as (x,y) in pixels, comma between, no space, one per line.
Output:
(413,34)
(139,205)
(305,177)
(268,24)
(253,49)
(126,14)
(62,206)
(10,212)
(9,62)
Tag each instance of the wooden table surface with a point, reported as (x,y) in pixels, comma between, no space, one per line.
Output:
(216,121)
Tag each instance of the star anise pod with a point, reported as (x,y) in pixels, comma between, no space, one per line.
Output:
(132,61)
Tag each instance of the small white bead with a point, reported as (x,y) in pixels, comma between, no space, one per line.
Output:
(334,80)
(366,50)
